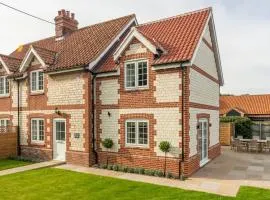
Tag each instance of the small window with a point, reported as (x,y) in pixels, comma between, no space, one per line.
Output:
(4,122)
(37,130)
(137,132)
(37,81)
(4,86)
(136,74)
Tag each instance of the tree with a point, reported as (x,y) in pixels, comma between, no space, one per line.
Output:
(165,147)
(107,143)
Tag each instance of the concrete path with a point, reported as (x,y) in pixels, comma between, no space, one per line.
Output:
(52,163)
(202,185)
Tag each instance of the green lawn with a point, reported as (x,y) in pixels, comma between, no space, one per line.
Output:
(59,184)
(8,163)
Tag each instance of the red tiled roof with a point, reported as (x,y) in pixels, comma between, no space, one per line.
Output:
(46,55)
(11,62)
(249,104)
(178,35)
(80,47)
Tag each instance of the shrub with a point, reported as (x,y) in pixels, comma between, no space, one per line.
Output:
(169,175)
(107,143)
(141,170)
(242,125)
(125,169)
(165,147)
(110,167)
(136,170)
(159,173)
(149,172)
(130,170)
(115,168)
(103,166)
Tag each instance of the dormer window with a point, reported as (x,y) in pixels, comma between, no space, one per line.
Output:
(136,74)
(37,81)
(4,86)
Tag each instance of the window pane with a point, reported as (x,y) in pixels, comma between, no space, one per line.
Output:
(2,86)
(131,132)
(40,80)
(2,122)
(130,75)
(41,130)
(142,73)
(34,129)
(143,132)
(34,81)
(7,86)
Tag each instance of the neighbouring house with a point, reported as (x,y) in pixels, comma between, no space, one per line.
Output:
(135,84)
(255,107)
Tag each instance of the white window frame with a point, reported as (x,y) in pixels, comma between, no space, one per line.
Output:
(6,122)
(136,62)
(37,90)
(38,130)
(5,94)
(136,144)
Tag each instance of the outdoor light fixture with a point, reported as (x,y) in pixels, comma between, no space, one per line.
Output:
(109,114)
(57,111)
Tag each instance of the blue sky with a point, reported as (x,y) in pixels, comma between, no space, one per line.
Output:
(243,30)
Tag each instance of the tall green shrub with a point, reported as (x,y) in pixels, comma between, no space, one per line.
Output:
(242,125)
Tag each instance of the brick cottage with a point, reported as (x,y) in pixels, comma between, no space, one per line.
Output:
(135,84)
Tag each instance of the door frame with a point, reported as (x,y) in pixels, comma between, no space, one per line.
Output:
(206,159)
(54,136)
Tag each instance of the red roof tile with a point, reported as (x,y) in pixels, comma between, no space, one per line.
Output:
(249,104)
(178,35)
(80,47)
(11,62)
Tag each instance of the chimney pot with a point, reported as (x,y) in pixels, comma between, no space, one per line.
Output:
(64,23)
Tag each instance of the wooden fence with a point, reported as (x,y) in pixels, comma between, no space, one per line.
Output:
(8,142)
(225,133)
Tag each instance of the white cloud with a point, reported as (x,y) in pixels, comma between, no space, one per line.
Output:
(243,29)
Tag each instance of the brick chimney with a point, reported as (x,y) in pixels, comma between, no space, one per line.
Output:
(65,23)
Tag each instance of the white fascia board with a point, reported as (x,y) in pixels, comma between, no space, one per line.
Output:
(4,65)
(219,68)
(93,63)
(127,40)
(200,40)
(28,56)
(66,71)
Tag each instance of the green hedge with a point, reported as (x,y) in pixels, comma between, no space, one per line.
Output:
(242,125)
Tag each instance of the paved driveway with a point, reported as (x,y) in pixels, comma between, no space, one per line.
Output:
(238,166)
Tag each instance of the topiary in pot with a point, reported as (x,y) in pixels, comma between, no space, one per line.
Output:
(108,144)
(165,147)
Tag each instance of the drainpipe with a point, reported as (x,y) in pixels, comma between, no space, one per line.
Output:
(93,116)
(18,127)
(181,162)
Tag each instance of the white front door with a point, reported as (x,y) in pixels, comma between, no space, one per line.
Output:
(203,140)
(59,139)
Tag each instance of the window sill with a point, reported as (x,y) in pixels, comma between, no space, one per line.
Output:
(128,146)
(136,89)
(37,93)
(37,143)
(4,96)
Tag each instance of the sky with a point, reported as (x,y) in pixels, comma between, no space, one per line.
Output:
(243,30)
